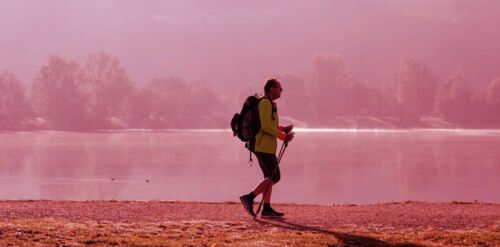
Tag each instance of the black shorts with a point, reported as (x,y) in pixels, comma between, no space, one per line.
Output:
(269,165)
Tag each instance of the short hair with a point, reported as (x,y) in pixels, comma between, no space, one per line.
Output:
(269,84)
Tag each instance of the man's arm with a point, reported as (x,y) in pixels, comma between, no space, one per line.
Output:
(286,129)
(265,111)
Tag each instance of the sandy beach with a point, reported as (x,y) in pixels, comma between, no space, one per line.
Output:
(158,223)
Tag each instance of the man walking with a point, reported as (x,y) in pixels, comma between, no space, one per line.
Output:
(265,149)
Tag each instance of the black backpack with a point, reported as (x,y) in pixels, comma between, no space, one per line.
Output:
(246,124)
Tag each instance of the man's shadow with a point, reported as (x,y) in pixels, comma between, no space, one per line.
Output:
(346,238)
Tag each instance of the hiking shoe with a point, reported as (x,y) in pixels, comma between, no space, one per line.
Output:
(247,204)
(271,213)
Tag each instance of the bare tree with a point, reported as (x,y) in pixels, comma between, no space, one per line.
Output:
(416,87)
(14,108)
(297,102)
(206,109)
(331,85)
(59,94)
(139,108)
(169,101)
(373,102)
(109,89)
(492,101)
(453,101)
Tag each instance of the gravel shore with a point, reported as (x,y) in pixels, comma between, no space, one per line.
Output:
(335,225)
(451,216)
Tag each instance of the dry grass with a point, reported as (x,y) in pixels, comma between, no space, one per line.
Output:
(60,232)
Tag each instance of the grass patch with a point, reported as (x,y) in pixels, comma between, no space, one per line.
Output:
(28,232)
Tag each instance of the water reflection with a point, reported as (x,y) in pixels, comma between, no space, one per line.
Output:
(318,167)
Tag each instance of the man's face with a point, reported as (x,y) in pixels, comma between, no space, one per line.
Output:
(276,91)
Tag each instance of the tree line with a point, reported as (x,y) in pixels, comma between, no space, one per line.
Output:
(65,95)
(416,93)
(98,94)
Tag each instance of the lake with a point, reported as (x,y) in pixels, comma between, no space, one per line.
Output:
(322,166)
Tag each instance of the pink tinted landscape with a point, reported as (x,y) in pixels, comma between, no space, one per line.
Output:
(368,73)
(190,64)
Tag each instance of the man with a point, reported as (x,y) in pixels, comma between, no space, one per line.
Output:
(265,149)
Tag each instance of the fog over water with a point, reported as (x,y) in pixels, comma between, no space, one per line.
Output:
(87,65)
(320,167)
(392,100)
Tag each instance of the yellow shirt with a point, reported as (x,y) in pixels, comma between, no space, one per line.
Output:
(266,138)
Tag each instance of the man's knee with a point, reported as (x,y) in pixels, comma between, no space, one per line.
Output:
(276,178)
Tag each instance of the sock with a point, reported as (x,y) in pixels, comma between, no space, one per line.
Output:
(267,206)
(251,195)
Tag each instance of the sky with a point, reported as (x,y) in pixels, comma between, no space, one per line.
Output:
(229,43)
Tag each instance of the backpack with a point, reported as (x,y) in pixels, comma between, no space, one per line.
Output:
(246,124)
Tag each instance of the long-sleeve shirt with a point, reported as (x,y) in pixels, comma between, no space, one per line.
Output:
(266,138)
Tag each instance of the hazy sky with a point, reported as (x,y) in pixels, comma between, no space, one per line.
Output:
(229,43)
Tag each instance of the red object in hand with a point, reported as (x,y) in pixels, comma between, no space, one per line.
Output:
(282,136)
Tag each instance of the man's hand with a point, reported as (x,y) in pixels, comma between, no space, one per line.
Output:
(288,129)
(289,137)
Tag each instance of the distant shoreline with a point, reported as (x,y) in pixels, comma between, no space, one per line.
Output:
(358,122)
(298,129)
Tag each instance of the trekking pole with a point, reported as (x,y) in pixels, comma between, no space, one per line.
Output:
(280,155)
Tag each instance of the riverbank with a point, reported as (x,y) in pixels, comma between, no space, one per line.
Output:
(155,223)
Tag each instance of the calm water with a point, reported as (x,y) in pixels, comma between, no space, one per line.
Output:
(322,167)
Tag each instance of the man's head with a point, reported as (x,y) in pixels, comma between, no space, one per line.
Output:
(273,89)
